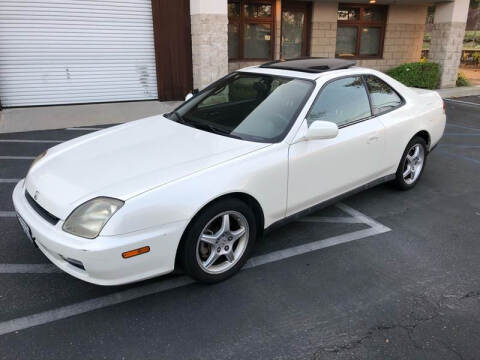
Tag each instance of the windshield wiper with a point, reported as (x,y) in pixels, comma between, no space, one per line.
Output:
(212,129)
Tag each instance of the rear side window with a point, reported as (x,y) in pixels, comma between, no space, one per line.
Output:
(342,101)
(383,97)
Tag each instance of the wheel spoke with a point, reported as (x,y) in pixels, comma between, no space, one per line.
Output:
(237,234)
(211,258)
(225,224)
(230,257)
(408,171)
(209,239)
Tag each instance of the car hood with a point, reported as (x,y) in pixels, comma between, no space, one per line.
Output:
(126,160)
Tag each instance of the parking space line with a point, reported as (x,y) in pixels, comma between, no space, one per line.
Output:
(84,129)
(63,312)
(467,158)
(7,214)
(459,146)
(29,269)
(9,181)
(17,157)
(328,219)
(462,127)
(462,102)
(29,141)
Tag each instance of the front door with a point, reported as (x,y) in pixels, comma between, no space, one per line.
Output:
(323,169)
(295,27)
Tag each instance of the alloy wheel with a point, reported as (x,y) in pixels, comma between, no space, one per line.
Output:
(222,242)
(413,165)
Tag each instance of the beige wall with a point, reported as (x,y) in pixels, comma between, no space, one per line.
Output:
(403,35)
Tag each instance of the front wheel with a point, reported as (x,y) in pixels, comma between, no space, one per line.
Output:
(412,164)
(219,240)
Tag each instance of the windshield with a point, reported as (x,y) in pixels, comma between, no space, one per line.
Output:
(255,107)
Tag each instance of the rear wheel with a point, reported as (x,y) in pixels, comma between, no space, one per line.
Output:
(412,164)
(218,242)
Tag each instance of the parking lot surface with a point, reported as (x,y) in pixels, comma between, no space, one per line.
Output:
(384,274)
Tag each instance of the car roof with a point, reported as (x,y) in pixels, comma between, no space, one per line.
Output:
(306,68)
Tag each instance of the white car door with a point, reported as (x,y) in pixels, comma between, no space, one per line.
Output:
(322,169)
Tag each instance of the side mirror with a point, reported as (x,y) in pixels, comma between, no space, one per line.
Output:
(191,94)
(321,130)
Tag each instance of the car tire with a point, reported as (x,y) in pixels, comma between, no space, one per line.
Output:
(412,164)
(214,250)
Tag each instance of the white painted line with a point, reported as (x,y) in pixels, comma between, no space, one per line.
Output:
(364,218)
(84,129)
(173,283)
(313,246)
(17,157)
(462,127)
(8,214)
(9,181)
(90,305)
(29,141)
(332,220)
(29,269)
(462,102)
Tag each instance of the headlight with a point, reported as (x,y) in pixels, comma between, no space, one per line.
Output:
(39,157)
(88,219)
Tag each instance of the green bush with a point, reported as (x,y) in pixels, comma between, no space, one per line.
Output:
(425,75)
(462,80)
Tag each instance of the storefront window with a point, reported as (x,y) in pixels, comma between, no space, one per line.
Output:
(250,29)
(360,31)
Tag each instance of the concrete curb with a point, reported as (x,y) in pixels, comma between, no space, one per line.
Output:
(459,92)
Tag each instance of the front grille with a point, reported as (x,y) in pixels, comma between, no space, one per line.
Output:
(52,219)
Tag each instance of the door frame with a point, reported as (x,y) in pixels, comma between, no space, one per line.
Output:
(173,48)
(305,6)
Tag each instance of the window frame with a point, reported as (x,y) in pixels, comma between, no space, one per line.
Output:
(360,24)
(402,99)
(242,20)
(306,7)
(365,86)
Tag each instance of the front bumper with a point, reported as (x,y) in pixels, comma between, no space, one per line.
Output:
(100,260)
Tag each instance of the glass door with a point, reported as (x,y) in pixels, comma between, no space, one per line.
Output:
(295,26)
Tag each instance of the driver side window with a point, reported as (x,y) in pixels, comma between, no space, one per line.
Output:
(341,101)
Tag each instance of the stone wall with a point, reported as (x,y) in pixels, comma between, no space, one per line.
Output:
(323,39)
(446,48)
(209,48)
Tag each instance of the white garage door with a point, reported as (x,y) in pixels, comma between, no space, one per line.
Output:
(76,51)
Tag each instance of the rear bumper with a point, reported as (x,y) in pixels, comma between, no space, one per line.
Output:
(99,261)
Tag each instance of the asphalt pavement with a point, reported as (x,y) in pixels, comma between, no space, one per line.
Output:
(383,275)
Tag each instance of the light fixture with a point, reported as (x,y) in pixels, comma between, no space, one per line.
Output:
(373,1)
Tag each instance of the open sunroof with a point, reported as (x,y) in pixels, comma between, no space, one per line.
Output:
(310,64)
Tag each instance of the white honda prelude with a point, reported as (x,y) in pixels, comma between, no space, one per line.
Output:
(196,187)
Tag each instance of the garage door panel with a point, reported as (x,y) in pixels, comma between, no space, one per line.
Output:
(63,52)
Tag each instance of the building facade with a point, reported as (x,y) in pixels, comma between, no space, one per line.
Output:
(69,52)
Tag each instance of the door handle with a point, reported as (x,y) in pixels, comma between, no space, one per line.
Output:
(373,138)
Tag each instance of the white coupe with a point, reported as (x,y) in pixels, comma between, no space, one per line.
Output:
(196,187)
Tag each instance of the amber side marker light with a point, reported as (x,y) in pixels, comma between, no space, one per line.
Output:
(136,252)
